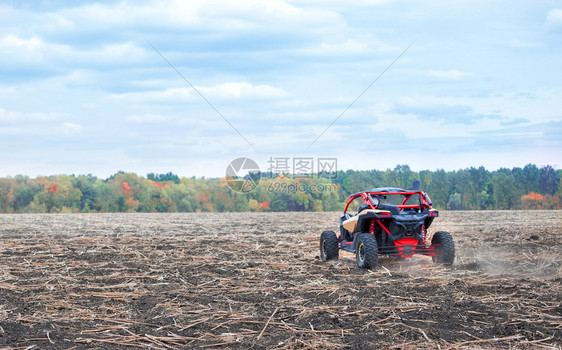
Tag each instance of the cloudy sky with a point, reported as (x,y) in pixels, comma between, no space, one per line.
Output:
(82,90)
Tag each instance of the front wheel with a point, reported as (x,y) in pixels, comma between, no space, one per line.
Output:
(329,249)
(444,247)
(367,252)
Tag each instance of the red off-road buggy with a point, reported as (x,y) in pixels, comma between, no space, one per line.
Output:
(387,221)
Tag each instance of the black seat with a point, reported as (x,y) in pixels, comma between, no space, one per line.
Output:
(363,207)
(394,210)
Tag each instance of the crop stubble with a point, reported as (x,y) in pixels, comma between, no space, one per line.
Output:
(234,280)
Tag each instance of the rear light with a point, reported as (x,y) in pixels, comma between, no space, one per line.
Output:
(384,215)
(434,213)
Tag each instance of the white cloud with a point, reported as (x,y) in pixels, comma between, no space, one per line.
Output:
(30,44)
(452,74)
(346,46)
(7,90)
(207,15)
(171,94)
(243,90)
(554,19)
(20,117)
(15,123)
(70,129)
(111,35)
(524,44)
(147,118)
(223,91)
(19,51)
(123,51)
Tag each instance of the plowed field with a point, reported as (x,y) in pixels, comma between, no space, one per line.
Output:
(167,281)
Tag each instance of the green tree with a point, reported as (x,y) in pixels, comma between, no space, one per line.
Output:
(548,181)
(504,191)
(437,185)
(530,177)
(85,184)
(22,198)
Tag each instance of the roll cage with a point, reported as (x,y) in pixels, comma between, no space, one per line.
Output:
(369,198)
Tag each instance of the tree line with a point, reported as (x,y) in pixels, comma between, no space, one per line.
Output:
(473,188)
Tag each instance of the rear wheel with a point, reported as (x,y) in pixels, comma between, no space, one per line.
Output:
(445,248)
(329,246)
(367,252)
